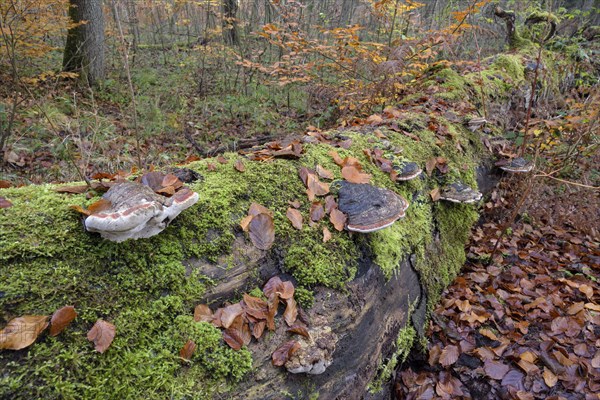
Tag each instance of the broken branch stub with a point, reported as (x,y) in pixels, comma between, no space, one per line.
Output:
(137,212)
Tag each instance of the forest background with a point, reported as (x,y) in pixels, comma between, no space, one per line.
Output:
(150,83)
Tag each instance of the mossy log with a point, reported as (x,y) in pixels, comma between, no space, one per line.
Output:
(373,290)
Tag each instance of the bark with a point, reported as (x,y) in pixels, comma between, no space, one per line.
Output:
(230,28)
(84,50)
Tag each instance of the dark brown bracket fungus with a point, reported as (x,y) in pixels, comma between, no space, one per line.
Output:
(137,212)
(460,193)
(407,170)
(517,165)
(369,208)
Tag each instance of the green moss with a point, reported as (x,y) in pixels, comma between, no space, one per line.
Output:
(404,343)
(145,288)
(511,64)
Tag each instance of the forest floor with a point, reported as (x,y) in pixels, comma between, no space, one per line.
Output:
(527,324)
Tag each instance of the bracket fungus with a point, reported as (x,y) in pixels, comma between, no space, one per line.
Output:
(460,193)
(407,171)
(476,123)
(517,165)
(137,212)
(369,208)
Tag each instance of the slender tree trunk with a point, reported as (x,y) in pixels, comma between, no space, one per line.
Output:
(230,28)
(84,50)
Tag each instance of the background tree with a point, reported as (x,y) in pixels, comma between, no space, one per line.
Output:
(84,50)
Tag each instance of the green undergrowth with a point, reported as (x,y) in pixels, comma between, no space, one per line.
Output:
(147,290)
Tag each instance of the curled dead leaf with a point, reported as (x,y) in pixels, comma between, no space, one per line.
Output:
(4,203)
(61,319)
(326,235)
(338,219)
(187,350)
(324,173)
(284,352)
(353,175)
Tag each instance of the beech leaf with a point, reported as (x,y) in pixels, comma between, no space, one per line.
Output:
(102,334)
(449,355)
(61,319)
(187,350)
(22,331)
(203,313)
(326,235)
(262,231)
(353,175)
(284,352)
(295,217)
(338,219)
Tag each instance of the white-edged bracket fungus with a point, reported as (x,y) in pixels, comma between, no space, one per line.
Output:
(369,208)
(137,212)
(476,123)
(517,165)
(460,193)
(407,170)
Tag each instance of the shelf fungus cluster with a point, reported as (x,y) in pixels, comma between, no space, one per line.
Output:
(460,193)
(136,211)
(370,208)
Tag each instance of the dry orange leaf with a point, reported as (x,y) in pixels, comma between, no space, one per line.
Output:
(22,331)
(326,235)
(435,194)
(295,217)
(78,189)
(61,319)
(222,160)
(285,290)
(316,186)
(102,334)
(353,175)
(187,350)
(256,209)
(300,329)
(99,206)
(202,312)
(336,158)
(166,191)
(171,180)
(338,219)
(317,212)
(549,378)
(79,209)
(324,173)
(210,167)
(239,165)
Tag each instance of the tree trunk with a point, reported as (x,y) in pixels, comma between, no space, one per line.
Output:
(230,28)
(84,50)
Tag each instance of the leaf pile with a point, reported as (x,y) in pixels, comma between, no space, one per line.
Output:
(252,315)
(275,149)
(525,327)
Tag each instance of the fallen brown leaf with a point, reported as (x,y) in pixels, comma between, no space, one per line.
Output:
(203,313)
(61,319)
(324,173)
(22,331)
(262,231)
(353,175)
(295,217)
(326,235)
(4,203)
(187,350)
(338,219)
(239,165)
(284,352)
(102,334)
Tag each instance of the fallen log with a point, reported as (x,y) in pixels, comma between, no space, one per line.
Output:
(372,290)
